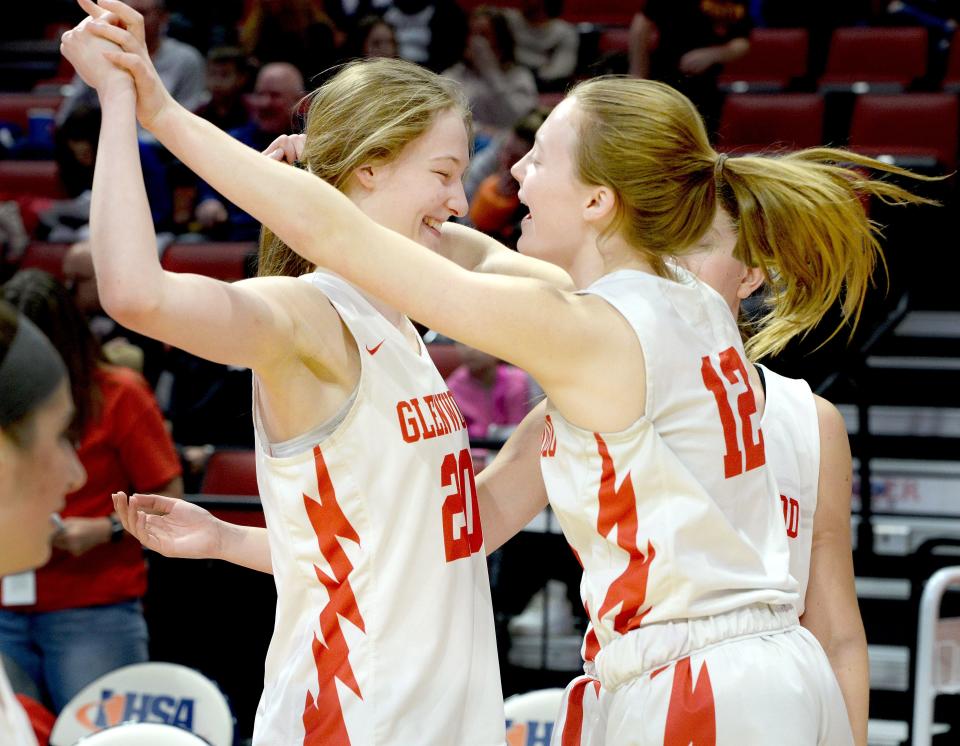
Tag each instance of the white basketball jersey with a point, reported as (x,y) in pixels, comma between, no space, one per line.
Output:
(15,728)
(677,516)
(791,435)
(384,629)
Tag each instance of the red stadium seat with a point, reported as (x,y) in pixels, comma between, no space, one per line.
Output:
(15,107)
(607,12)
(758,122)
(915,129)
(221,259)
(45,256)
(863,59)
(445,357)
(951,80)
(36,178)
(614,39)
(776,58)
(231,472)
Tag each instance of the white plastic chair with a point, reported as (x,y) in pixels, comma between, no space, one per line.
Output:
(938,654)
(152,693)
(530,716)
(143,734)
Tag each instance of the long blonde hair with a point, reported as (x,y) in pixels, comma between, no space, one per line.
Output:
(369,111)
(800,217)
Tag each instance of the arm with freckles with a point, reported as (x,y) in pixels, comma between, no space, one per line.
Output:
(511,491)
(559,337)
(831,610)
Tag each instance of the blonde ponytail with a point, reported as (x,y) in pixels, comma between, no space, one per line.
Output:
(801,218)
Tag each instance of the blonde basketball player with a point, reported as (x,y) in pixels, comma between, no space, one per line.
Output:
(653,458)
(384,630)
(806,444)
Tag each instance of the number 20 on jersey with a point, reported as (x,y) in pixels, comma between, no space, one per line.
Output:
(462,533)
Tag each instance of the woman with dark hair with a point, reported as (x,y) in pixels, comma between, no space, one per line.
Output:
(499,91)
(83,618)
(372,37)
(37,467)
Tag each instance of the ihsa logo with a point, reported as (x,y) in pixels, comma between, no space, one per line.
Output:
(114,708)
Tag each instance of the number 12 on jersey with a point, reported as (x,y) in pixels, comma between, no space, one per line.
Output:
(462,533)
(735,460)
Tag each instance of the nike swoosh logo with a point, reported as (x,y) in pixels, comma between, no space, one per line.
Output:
(373,350)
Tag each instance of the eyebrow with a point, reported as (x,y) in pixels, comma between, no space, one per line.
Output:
(447,158)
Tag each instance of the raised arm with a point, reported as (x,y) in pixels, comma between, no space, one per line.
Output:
(831,610)
(196,313)
(562,339)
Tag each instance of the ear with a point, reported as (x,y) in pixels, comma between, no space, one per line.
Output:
(753,278)
(367,175)
(601,204)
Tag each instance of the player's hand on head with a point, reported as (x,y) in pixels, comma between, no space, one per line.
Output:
(286,148)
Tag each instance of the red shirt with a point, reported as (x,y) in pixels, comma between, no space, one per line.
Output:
(126,448)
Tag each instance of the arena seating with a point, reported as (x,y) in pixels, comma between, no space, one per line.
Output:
(915,129)
(763,122)
(45,256)
(866,59)
(777,58)
(230,472)
(36,178)
(225,260)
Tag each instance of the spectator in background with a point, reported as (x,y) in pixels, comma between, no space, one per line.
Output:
(228,79)
(429,32)
(75,148)
(492,395)
(545,43)
(181,67)
(348,14)
(495,205)
(372,37)
(499,90)
(278,89)
(295,31)
(695,41)
(85,618)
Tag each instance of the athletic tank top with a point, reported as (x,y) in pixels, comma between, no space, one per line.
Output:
(384,629)
(677,516)
(791,435)
(15,728)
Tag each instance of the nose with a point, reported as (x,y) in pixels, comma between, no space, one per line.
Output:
(457,201)
(516,170)
(76,474)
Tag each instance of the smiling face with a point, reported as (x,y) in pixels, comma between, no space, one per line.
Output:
(38,474)
(415,193)
(550,186)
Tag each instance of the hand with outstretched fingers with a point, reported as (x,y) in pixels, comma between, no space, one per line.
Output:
(172,527)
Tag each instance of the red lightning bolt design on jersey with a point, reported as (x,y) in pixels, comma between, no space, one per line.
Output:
(691,717)
(618,507)
(323,718)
